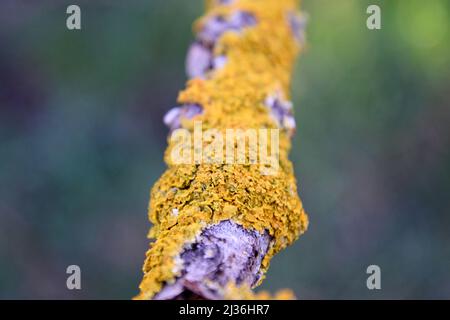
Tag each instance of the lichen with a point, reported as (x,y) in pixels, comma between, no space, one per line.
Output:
(259,60)
(233,292)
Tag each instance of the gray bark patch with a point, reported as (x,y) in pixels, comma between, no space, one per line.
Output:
(223,252)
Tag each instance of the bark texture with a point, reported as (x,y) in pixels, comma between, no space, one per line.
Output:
(217,225)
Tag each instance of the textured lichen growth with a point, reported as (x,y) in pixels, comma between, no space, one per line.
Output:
(188,198)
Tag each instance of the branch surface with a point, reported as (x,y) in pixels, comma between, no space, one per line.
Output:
(217,225)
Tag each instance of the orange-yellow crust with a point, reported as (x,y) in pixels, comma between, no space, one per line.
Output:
(259,62)
(232,292)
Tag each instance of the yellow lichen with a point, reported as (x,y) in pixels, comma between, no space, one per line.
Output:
(259,62)
(233,292)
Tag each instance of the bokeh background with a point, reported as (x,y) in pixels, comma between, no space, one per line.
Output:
(82,141)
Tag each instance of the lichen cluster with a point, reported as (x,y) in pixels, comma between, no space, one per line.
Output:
(189,197)
(233,292)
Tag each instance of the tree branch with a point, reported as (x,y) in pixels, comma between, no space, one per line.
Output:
(217,224)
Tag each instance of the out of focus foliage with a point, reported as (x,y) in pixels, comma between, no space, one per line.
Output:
(81,142)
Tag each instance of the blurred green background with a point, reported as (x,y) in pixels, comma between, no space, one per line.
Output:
(82,141)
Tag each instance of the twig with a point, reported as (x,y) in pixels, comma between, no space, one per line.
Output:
(217,225)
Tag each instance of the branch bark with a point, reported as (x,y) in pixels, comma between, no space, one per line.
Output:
(218,224)
(224,252)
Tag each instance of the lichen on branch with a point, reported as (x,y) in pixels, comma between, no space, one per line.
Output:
(240,70)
